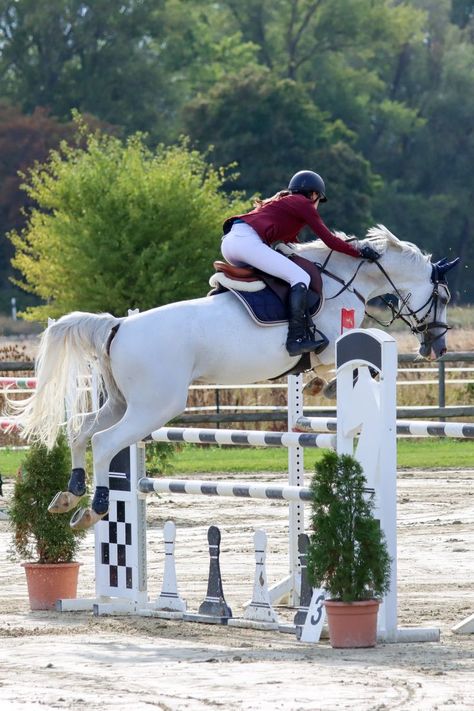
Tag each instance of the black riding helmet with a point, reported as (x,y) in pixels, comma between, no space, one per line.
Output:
(306,181)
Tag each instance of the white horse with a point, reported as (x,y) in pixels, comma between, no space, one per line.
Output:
(147,361)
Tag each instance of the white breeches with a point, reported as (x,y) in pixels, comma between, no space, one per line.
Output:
(242,246)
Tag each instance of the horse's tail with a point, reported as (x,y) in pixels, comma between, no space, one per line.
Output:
(71,364)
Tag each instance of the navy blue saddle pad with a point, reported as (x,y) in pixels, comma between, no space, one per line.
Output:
(265,307)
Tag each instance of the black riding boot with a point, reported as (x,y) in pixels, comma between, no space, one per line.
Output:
(299,339)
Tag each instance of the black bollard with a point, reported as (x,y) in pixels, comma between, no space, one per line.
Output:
(214,608)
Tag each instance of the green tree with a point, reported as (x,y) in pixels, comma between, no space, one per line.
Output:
(348,553)
(462,12)
(120,227)
(300,39)
(24,140)
(427,171)
(36,534)
(353,88)
(99,57)
(132,63)
(270,128)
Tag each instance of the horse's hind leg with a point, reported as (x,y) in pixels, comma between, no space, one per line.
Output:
(110,413)
(138,422)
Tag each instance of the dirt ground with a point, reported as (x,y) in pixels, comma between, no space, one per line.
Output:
(77,661)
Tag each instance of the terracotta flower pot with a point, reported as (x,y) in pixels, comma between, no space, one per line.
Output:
(48,582)
(352,624)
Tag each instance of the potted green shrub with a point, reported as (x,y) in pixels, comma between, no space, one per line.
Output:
(348,553)
(46,543)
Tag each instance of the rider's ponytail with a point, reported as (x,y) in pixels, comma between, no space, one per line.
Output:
(260,203)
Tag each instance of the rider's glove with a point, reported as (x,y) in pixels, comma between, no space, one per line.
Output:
(370,253)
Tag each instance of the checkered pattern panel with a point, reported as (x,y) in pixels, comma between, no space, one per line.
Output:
(116,546)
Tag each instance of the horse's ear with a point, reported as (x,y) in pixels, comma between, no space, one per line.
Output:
(440,268)
(445,266)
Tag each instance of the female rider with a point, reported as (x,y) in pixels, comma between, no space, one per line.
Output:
(252,238)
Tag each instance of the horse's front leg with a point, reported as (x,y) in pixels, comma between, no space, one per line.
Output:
(319,383)
(108,415)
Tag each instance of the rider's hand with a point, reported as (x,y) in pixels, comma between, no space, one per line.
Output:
(369,253)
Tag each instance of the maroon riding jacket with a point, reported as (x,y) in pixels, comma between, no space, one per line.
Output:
(283,218)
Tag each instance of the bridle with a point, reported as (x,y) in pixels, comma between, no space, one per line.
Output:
(433,304)
(411,316)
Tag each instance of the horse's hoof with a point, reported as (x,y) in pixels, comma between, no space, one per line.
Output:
(330,390)
(63,502)
(85,518)
(314,386)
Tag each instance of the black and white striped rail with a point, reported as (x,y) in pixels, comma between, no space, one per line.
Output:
(239,489)
(404,427)
(224,488)
(253,438)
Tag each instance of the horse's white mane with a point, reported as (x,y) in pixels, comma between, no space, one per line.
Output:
(379,237)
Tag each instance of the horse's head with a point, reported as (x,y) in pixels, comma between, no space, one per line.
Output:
(433,328)
(420,286)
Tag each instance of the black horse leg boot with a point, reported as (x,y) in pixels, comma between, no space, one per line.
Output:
(299,341)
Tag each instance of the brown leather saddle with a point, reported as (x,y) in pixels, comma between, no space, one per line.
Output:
(278,286)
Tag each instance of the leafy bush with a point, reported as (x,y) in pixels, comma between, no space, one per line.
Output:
(159,458)
(38,535)
(348,553)
(118,226)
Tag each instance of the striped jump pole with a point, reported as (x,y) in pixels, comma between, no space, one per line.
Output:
(249,438)
(417,428)
(6,424)
(17,383)
(231,488)
(239,489)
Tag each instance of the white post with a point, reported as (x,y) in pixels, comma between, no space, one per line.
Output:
(295,478)
(367,407)
(386,482)
(288,589)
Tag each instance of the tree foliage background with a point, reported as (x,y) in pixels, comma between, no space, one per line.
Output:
(120,227)
(376,95)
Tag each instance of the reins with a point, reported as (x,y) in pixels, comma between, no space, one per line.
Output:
(345,285)
(420,325)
